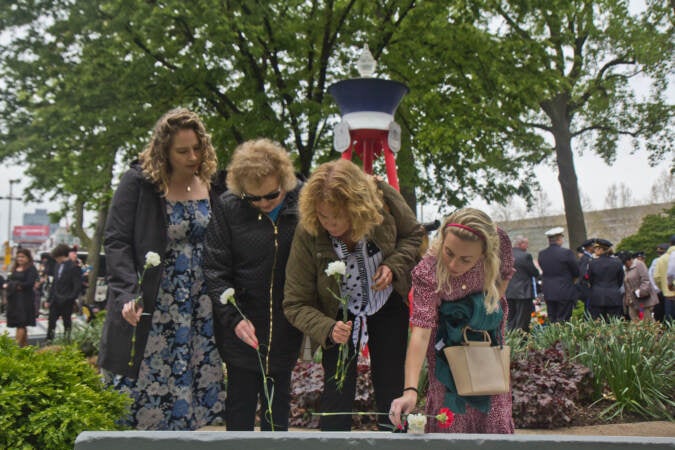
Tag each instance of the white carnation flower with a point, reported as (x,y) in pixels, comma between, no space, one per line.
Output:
(416,423)
(227,296)
(336,268)
(152,259)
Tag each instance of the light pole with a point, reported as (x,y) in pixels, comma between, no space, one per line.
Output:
(9,213)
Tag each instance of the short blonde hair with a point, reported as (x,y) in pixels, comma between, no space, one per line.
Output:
(154,158)
(255,160)
(485,233)
(343,186)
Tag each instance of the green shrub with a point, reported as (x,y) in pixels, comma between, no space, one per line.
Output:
(633,363)
(86,337)
(49,396)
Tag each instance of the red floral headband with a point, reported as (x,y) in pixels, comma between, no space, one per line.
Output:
(467,228)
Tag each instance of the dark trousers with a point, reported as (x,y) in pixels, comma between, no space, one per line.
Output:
(660,309)
(520,314)
(605,312)
(245,388)
(560,311)
(63,310)
(387,338)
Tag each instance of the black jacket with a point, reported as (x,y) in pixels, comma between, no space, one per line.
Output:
(66,286)
(605,277)
(136,224)
(520,286)
(559,268)
(246,251)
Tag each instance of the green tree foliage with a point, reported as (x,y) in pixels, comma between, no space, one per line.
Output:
(492,83)
(655,229)
(561,69)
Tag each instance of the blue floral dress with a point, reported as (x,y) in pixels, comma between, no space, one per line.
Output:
(180,383)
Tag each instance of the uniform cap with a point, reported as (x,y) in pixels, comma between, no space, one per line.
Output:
(588,242)
(603,243)
(555,231)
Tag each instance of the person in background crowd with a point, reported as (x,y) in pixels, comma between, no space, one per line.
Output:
(521,290)
(559,269)
(639,296)
(64,291)
(640,256)
(659,309)
(605,277)
(161,350)
(20,297)
(348,216)
(665,285)
(247,246)
(460,281)
(584,260)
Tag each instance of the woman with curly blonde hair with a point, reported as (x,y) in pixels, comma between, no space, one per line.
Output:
(156,161)
(247,246)
(163,205)
(346,215)
(460,282)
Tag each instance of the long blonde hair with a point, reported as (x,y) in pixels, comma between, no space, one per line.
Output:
(154,158)
(483,230)
(344,187)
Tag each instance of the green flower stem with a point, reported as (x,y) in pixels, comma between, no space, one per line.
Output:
(343,350)
(269,397)
(138,300)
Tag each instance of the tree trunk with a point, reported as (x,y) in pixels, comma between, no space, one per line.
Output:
(567,176)
(406,170)
(94,250)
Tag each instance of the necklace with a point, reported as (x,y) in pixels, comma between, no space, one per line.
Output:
(188,188)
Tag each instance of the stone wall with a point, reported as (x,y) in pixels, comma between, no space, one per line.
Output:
(611,224)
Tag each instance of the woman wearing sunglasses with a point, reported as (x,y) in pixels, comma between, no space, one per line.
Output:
(247,245)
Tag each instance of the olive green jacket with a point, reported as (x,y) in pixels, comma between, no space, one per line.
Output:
(308,302)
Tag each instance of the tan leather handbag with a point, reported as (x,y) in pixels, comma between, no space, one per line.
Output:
(478,368)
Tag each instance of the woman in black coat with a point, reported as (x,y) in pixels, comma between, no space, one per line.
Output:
(247,245)
(20,296)
(605,277)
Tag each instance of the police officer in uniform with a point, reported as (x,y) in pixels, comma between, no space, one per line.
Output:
(605,277)
(559,268)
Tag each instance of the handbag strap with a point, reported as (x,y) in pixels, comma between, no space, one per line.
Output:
(486,335)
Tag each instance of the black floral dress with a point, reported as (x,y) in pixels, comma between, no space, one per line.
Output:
(180,383)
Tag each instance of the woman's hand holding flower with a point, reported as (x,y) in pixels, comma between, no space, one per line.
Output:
(131,311)
(246,332)
(341,332)
(402,406)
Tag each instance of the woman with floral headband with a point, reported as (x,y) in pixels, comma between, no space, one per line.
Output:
(464,276)
(161,349)
(346,215)
(247,245)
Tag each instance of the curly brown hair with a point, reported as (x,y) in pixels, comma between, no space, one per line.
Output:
(344,187)
(255,160)
(155,157)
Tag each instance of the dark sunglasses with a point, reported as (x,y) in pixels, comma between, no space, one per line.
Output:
(257,198)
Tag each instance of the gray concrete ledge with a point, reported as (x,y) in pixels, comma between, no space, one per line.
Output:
(212,440)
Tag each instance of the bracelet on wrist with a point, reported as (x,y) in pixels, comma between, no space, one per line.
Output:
(411,388)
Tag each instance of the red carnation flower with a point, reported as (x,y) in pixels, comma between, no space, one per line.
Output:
(445,417)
